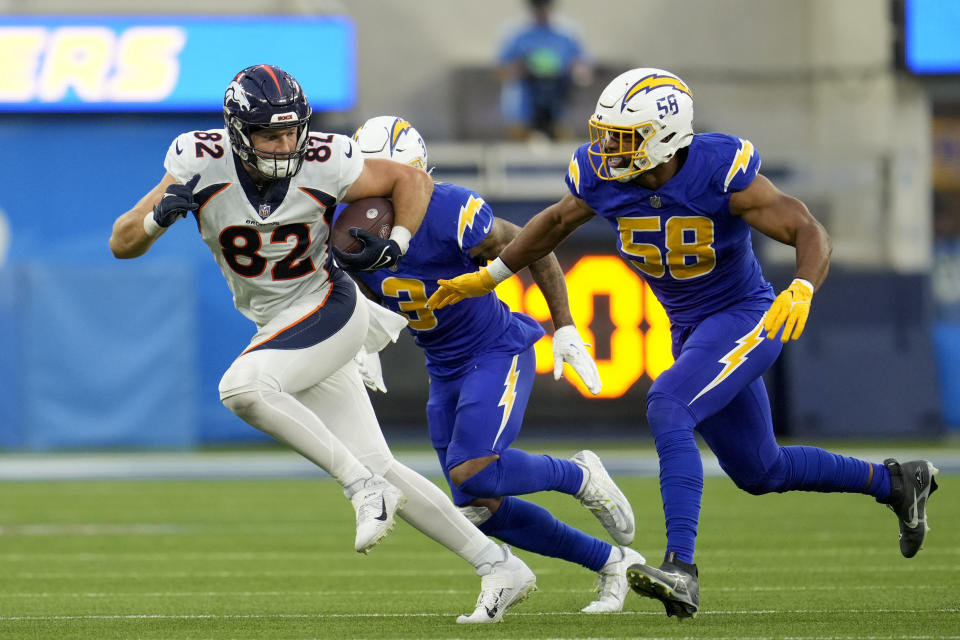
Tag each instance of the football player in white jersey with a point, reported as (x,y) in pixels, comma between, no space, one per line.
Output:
(263,192)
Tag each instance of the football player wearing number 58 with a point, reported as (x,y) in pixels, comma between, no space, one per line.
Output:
(264,191)
(682,207)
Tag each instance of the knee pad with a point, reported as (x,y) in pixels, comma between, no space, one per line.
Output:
(242,377)
(666,414)
(242,404)
(758,481)
(754,485)
(242,389)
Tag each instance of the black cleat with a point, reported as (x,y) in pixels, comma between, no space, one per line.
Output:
(911,485)
(674,584)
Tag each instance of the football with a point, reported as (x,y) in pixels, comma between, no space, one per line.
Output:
(372,214)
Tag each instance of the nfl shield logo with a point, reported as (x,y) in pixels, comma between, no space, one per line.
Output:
(655,202)
(264,211)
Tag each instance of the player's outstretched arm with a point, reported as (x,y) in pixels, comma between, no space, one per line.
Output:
(539,236)
(567,345)
(786,219)
(135,231)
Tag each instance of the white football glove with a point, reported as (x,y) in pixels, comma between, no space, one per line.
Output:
(569,347)
(370,371)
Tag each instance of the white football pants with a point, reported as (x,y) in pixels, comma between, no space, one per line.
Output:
(314,400)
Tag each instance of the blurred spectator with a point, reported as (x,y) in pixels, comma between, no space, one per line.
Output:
(538,63)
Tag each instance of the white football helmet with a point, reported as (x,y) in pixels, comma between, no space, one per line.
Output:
(392,138)
(643,117)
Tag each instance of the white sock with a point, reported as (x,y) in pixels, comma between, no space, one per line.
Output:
(616,555)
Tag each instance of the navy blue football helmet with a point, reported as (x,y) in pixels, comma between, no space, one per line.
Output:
(266,97)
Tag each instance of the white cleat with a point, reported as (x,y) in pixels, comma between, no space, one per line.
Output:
(612,582)
(376,504)
(603,497)
(504,584)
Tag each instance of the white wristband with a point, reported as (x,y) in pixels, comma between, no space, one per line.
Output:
(805,283)
(401,235)
(499,271)
(151,228)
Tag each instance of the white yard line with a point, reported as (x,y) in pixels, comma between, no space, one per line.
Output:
(22,467)
(30,595)
(321,616)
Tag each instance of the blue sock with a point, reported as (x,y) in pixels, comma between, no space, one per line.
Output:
(880,483)
(518,472)
(681,473)
(814,469)
(530,527)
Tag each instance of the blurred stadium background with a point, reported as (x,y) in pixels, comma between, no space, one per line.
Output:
(853,106)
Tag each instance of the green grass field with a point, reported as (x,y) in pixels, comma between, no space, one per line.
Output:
(274,559)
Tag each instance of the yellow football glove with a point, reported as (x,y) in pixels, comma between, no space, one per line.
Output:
(792,307)
(468,285)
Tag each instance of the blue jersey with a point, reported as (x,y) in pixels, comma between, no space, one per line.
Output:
(695,255)
(457,220)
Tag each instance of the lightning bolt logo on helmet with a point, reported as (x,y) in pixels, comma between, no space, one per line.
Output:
(651,82)
(392,138)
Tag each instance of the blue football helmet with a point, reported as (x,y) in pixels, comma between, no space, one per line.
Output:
(266,97)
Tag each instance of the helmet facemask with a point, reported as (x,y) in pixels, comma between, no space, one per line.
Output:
(619,153)
(270,165)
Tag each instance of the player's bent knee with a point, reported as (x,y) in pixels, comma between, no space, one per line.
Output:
(485,483)
(464,471)
(667,414)
(753,486)
(241,378)
(757,478)
(244,405)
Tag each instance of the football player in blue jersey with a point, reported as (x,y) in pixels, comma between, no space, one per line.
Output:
(682,207)
(481,364)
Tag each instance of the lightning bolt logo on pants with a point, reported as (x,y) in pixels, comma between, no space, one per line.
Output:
(508,397)
(735,357)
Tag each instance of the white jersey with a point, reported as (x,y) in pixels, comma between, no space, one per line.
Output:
(271,245)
